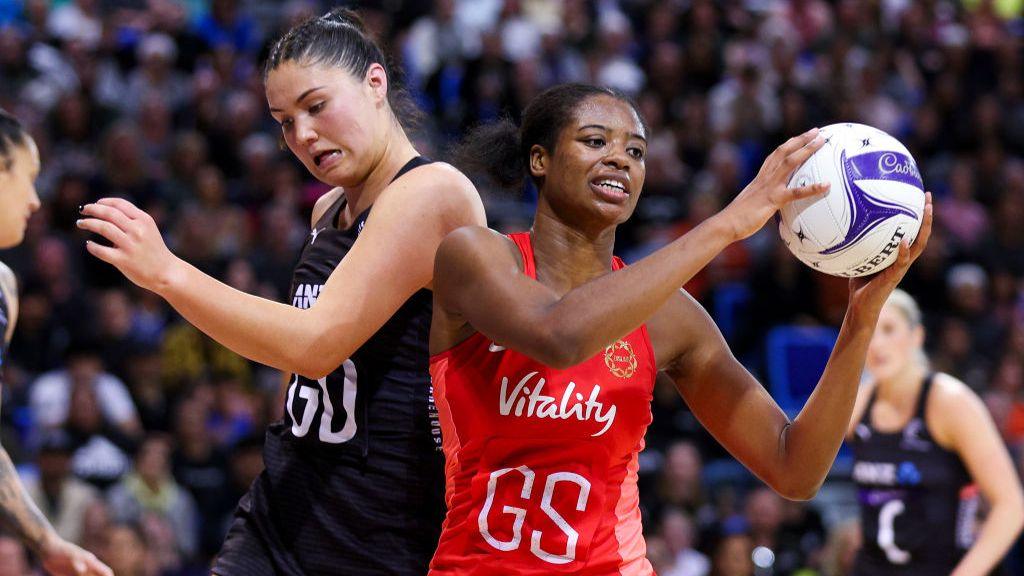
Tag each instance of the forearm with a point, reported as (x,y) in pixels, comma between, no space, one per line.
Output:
(17,511)
(599,312)
(1000,530)
(808,446)
(262,330)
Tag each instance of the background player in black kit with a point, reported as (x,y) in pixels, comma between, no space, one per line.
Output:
(353,481)
(19,167)
(920,441)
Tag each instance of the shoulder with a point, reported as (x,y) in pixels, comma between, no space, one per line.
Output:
(471,246)
(436,189)
(323,203)
(949,393)
(952,409)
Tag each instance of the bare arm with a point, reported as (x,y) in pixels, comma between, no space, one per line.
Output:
(16,508)
(477,272)
(793,457)
(962,417)
(391,260)
(17,511)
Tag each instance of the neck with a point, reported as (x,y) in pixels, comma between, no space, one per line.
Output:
(565,256)
(902,388)
(397,151)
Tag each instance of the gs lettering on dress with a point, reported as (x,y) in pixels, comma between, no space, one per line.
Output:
(526,399)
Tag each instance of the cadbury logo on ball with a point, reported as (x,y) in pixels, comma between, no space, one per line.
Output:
(890,163)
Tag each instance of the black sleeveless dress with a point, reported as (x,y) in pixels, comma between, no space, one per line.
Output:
(917,501)
(354,473)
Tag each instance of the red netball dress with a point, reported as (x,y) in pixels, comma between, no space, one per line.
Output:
(541,463)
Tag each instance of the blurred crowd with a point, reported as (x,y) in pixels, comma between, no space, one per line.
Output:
(137,435)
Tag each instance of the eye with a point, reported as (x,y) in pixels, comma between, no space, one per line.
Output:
(286,123)
(316,108)
(594,141)
(637,153)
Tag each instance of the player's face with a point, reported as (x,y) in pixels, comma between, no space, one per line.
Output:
(332,121)
(598,162)
(18,198)
(894,344)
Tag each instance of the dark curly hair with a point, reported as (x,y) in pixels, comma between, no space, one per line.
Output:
(501,150)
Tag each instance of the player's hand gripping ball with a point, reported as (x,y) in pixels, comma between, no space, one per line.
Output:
(876,201)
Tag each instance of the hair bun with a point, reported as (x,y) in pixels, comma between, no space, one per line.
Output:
(343,16)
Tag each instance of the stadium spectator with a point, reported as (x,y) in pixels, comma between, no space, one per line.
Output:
(150,488)
(61,497)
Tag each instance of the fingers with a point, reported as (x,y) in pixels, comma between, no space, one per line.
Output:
(123,205)
(110,214)
(809,191)
(97,568)
(926,227)
(105,253)
(797,142)
(105,229)
(801,154)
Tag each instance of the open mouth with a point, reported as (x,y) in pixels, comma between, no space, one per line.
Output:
(610,189)
(326,157)
(612,186)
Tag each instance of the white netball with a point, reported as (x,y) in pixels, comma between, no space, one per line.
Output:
(876,201)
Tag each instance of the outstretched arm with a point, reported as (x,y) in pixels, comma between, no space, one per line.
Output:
(17,511)
(791,456)
(477,272)
(391,260)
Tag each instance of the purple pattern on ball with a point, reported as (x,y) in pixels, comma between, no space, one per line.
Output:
(867,211)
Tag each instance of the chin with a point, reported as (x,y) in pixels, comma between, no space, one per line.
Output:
(12,238)
(881,372)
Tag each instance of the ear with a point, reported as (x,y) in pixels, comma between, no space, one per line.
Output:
(539,161)
(377,81)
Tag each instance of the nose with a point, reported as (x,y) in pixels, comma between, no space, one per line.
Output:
(33,201)
(617,158)
(304,131)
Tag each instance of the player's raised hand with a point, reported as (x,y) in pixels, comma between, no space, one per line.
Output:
(137,249)
(869,293)
(770,190)
(62,558)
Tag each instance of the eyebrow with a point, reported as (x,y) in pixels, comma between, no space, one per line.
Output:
(602,127)
(301,97)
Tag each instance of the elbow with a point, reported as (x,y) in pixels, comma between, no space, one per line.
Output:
(314,372)
(560,350)
(310,363)
(316,365)
(1015,505)
(796,487)
(801,493)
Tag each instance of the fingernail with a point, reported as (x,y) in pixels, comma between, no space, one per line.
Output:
(78,222)
(80,208)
